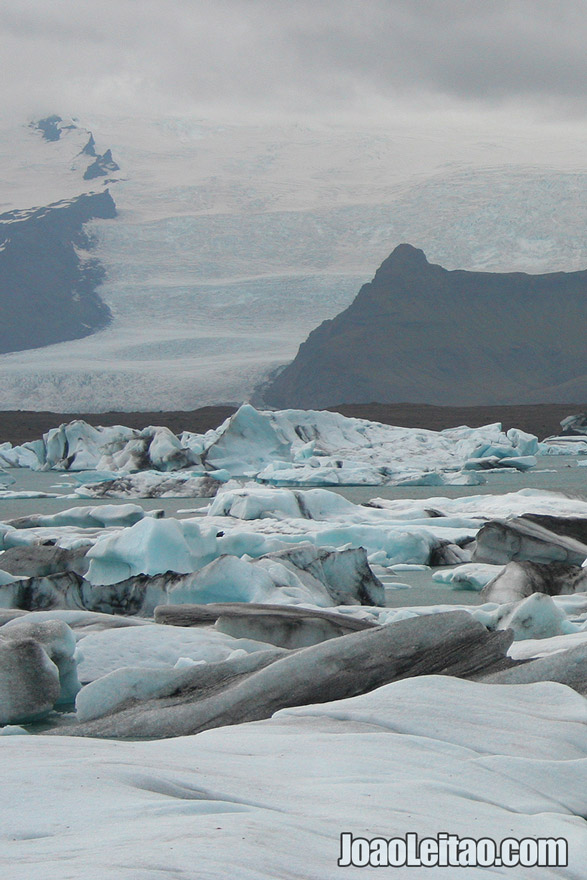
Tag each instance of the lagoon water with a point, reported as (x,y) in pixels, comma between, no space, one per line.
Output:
(557,473)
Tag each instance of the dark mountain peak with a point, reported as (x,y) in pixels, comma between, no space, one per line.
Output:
(407,254)
(47,290)
(404,260)
(421,333)
(65,214)
(90,147)
(52,127)
(101,166)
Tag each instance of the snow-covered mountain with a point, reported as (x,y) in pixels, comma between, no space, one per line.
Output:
(232,242)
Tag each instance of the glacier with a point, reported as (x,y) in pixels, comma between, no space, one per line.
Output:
(240,224)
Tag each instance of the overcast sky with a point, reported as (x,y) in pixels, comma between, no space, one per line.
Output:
(294,58)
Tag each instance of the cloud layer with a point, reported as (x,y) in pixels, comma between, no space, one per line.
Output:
(294,57)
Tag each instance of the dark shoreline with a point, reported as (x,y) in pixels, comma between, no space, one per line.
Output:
(18,426)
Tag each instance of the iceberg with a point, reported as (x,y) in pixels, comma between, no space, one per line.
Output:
(287,447)
(58,640)
(152,546)
(29,680)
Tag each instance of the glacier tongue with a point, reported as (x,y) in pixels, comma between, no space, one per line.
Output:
(264,231)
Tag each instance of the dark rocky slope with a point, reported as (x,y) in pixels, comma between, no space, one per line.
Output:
(423,334)
(47,291)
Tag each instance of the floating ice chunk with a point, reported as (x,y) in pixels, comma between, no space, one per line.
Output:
(82,621)
(105,694)
(153,447)
(79,446)
(114,691)
(59,642)
(393,545)
(152,484)
(39,560)
(165,449)
(530,649)
(341,667)
(102,516)
(5,478)
(422,478)
(84,477)
(193,441)
(25,456)
(299,573)
(525,444)
(564,446)
(518,580)
(324,472)
(406,566)
(259,503)
(536,617)
(493,462)
(533,537)
(486,506)
(152,546)
(221,475)
(470,576)
(230,579)
(154,645)
(287,626)
(246,442)
(270,579)
(439,478)
(465,478)
(520,463)
(568,666)
(29,680)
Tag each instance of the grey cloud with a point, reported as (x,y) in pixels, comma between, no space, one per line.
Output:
(294,56)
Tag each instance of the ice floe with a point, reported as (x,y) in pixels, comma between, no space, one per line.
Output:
(517,580)
(218,694)
(29,681)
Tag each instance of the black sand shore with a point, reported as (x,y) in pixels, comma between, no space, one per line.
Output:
(18,426)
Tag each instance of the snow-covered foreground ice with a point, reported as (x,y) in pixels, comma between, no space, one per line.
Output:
(270,799)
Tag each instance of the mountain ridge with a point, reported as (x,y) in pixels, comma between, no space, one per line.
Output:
(47,290)
(426,334)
